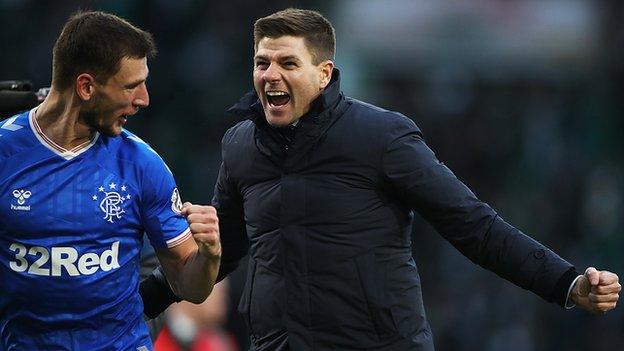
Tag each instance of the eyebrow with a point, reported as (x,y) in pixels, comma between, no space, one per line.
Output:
(290,57)
(281,59)
(136,82)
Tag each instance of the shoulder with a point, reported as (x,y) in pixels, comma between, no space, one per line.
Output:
(131,144)
(378,119)
(15,135)
(238,132)
(128,147)
(238,140)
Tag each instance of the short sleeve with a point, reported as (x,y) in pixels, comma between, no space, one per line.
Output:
(161,207)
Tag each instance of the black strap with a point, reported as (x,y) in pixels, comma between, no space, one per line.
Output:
(156,293)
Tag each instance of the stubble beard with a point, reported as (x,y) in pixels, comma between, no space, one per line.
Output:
(92,115)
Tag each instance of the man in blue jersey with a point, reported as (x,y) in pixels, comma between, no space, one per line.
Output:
(78,192)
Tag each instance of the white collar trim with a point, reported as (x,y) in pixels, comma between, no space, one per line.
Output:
(54,147)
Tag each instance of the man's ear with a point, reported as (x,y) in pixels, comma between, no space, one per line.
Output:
(85,86)
(326,69)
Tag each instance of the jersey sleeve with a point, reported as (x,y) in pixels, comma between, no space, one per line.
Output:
(161,206)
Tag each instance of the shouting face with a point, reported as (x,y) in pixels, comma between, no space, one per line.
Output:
(286,78)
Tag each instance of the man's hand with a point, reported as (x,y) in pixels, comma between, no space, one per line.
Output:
(204,226)
(596,291)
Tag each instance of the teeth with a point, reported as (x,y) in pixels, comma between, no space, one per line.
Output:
(276,93)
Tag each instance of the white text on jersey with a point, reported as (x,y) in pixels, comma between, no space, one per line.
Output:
(63,257)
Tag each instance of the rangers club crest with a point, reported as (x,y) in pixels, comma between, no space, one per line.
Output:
(111,201)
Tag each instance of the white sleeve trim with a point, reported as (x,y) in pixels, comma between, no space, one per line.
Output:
(179,239)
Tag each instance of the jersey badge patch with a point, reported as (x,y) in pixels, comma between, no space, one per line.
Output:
(176,201)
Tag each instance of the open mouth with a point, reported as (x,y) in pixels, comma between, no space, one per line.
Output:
(277,98)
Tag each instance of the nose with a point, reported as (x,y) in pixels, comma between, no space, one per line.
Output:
(271,74)
(141,99)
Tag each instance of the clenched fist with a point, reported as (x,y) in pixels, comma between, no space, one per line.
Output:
(597,291)
(204,225)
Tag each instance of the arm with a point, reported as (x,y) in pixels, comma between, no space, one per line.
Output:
(192,266)
(425,184)
(229,203)
(155,291)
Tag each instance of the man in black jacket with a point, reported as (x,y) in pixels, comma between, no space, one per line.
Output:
(319,188)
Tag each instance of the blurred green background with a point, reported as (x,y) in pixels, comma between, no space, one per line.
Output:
(523,100)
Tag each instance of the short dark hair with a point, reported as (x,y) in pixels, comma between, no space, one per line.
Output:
(316,30)
(94,42)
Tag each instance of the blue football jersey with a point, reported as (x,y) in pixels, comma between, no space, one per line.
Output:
(71,226)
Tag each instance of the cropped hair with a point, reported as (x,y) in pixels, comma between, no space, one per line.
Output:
(95,42)
(317,31)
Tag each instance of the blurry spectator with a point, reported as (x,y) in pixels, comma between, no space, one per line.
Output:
(190,327)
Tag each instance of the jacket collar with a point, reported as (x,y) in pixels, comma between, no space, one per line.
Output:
(249,106)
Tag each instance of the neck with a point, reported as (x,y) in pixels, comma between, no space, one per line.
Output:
(58,117)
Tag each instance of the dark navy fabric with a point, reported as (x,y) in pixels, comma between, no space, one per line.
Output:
(326,219)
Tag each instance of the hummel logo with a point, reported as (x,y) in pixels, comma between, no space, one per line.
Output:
(21,196)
